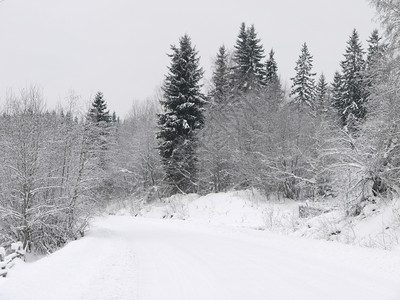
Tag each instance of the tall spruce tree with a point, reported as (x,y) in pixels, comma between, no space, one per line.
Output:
(376,50)
(375,56)
(256,55)
(249,72)
(220,78)
(321,94)
(98,113)
(183,104)
(351,108)
(336,100)
(98,130)
(240,56)
(274,93)
(303,86)
(271,74)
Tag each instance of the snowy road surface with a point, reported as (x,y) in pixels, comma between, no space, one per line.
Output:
(128,258)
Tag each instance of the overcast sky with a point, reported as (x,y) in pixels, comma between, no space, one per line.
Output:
(119,47)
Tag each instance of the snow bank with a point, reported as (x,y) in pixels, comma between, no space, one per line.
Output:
(247,209)
(377,226)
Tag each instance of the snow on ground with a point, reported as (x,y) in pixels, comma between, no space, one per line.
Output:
(377,226)
(235,245)
(247,209)
(146,258)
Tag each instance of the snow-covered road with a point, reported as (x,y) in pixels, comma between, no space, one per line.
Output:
(135,258)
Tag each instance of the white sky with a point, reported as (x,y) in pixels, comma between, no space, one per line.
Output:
(119,46)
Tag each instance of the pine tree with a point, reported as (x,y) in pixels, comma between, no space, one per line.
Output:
(375,55)
(249,71)
(97,129)
(183,117)
(321,94)
(98,113)
(352,106)
(271,76)
(220,77)
(241,57)
(376,50)
(303,87)
(256,55)
(336,88)
(274,93)
(114,117)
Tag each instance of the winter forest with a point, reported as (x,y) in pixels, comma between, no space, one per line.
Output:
(314,140)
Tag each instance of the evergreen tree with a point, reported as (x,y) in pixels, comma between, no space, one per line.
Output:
(256,55)
(273,93)
(271,76)
(241,57)
(183,104)
(375,55)
(97,129)
(220,77)
(98,113)
(114,117)
(249,71)
(336,88)
(303,87)
(321,94)
(353,94)
(376,50)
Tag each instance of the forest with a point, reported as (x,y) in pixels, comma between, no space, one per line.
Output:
(315,140)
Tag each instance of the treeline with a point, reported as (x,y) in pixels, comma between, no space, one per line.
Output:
(52,169)
(315,140)
(250,132)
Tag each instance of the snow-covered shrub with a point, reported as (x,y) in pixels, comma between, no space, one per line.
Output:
(177,207)
(306,211)
(281,220)
(292,221)
(271,216)
(8,261)
(2,254)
